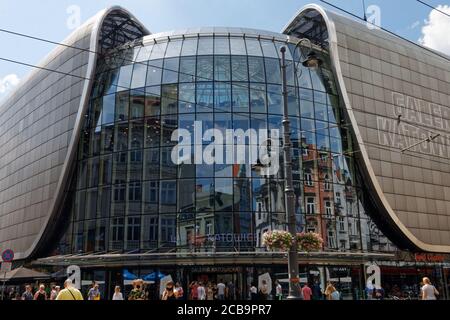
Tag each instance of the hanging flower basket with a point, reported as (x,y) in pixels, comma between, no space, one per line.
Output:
(309,241)
(278,240)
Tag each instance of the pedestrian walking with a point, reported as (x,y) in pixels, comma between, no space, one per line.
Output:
(69,292)
(201,292)
(40,295)
(193,290)
(278,290)
(169,292)
(306,292)
(117,296)
(94,292)
(221,290)
(137,293)
(209,292)
(253,292)
(331,293)
(179,292)
(27,295)
(429,292)
(264,291)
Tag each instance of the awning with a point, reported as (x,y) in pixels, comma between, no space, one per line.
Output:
(24,274)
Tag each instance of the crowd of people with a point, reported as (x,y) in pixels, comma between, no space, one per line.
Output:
(199,290)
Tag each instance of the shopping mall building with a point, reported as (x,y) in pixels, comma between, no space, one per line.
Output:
(87,176)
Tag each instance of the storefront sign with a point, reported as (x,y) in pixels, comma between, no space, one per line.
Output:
(232,237)
(428,257)
(217,270)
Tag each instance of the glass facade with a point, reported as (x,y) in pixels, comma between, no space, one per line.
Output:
(130,196)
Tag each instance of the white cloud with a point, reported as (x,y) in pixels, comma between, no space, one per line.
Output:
(435,31)
(414,25)
(8,82)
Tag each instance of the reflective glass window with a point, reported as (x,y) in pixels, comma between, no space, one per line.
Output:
(186,103)
(274,99)
(144,53)
(169,99)
(137,103)
(152,132)
(139,75)
(222,67)
(189,47)
(170,72)
(273,71)
(122,105)
(238,46)
(205,46)
(258,99)
(154,73)
(256,69)
(159,51)
(205,97)
(253,47)
(269,49)
(125,78)
(205,67)
(151,164)
(174,48)
(153,101)
(187,69)
(221,45)
(240,97)
(239,68)
(222,97)
(109,105)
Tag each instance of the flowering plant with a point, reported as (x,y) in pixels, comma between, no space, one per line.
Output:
(309,241)
(278,239)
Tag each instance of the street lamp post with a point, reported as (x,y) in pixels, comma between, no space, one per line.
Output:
(311,61)
(294,293)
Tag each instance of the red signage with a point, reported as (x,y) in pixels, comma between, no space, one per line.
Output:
(428,257)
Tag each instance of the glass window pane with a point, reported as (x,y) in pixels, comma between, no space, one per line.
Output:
(139,75)
(273,71)
(269,49)
(154,73)
(189,47)
(159,50)
(152,132)
(153,101)
(238,46)
(125,78)
(205,97)
(170,73)
(174,48)
(169,97)
(107,143)
(145,53)
(274,99)
(221,46)
(222,68)
(109,105)
(205,46)
(187,69)
(121,136)
(222,97)
(205,67)
(240,98)
(253,47)
(186,102)
(256,69)
(122,105)
(169,124)
(151,164)
(239,68)
(258,100)
(137,102)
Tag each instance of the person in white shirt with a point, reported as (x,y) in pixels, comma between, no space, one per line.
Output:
(221,290)
(201,292)
(253,292)
(429,292)
(117,294)
(279,290)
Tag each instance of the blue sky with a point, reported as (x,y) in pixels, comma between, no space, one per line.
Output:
(48,19)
